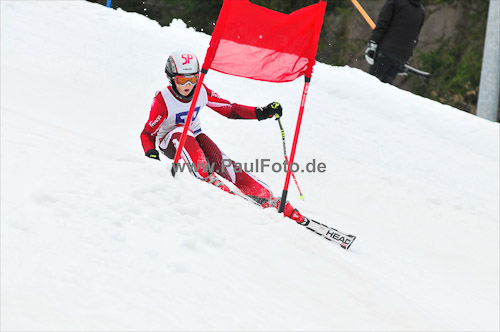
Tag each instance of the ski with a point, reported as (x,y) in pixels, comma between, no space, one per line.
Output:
(331,234)
(410,70)
(404,68)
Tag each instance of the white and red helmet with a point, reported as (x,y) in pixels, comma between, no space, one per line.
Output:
(182,63)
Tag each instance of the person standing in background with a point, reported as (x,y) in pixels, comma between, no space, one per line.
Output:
(395,36)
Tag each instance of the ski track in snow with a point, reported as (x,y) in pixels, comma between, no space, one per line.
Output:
(95,236)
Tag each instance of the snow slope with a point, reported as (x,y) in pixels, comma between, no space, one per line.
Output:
(94,236)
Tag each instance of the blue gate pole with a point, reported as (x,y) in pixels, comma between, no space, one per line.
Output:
(109,4)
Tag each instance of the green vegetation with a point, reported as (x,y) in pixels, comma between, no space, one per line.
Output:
(456,63)
(456,72)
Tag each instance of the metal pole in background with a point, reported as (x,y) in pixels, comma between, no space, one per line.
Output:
(109,4)
(489,86)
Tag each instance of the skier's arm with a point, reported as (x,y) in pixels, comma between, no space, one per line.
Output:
(383,21)
(237,111)
(157,114)
(228,109)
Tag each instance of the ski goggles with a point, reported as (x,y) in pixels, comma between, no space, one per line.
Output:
(183,80)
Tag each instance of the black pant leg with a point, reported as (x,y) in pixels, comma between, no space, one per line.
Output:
(379,68)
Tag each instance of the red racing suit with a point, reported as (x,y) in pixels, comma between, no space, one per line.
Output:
(159,113)
(166,123)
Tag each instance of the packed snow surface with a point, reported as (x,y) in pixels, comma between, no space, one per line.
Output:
(95,236)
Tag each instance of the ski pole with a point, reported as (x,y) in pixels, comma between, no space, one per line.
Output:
(286,158)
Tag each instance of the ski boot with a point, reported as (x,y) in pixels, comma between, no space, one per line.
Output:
(289,211)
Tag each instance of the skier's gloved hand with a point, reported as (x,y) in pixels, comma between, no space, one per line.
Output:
(153,154)
(370,52)
(268,111)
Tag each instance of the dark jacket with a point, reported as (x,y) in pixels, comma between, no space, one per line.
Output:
(398,27)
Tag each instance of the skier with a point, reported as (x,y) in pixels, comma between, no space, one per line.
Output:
(395,36)
(166,123)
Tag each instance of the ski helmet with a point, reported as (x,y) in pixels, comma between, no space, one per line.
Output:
(181,62)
